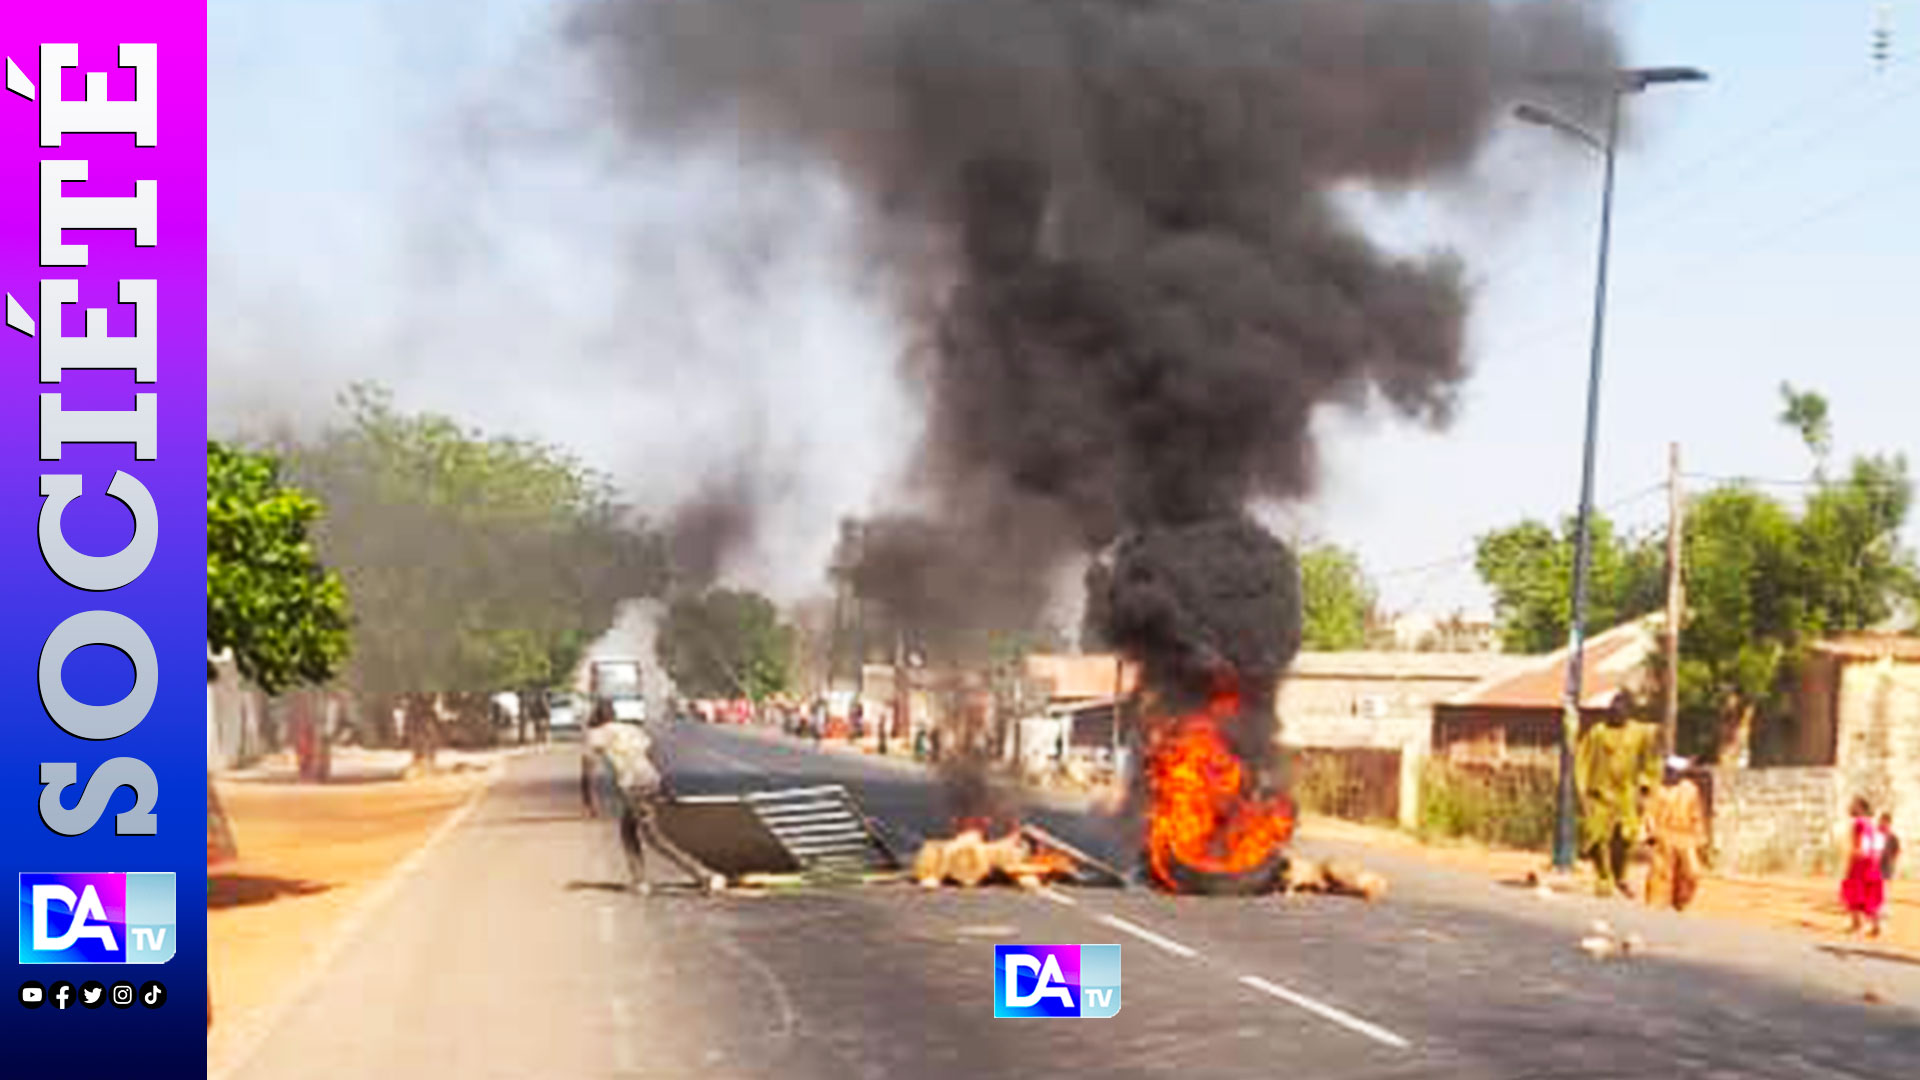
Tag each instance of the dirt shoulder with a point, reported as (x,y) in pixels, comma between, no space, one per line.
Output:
(309,855)
(1809,906)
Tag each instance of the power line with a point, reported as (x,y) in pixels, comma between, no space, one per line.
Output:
(1696,168)
(1644,211)
(1805,482)
(1471,555)
(1754,241)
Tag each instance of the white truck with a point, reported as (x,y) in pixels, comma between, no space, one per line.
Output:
(618,682)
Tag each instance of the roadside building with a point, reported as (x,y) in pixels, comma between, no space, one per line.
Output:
(1855,730)
(1376,699)
(1356,726)
(1074,714)
(1513,717)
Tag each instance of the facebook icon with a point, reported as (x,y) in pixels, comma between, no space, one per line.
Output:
(1079,981)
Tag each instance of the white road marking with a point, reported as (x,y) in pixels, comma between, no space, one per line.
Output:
(622,1024)
(1148,936)
(1326,1012)
(1059,897)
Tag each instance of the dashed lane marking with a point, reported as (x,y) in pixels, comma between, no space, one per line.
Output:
(1325,1011)
(1148,936)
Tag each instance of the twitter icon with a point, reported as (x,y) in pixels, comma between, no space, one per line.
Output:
(92,994)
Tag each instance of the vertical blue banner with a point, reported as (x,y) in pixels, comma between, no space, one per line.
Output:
(103,263)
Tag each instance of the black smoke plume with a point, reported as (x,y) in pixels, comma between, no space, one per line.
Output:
(1116,223)
(1207,607)
(708,528)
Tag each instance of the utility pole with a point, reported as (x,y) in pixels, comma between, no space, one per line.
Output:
(1676,600)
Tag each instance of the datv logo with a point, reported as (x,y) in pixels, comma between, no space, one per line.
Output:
(1056,980)
(96,918)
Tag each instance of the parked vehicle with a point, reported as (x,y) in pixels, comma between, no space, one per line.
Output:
(617,682)
(563,711)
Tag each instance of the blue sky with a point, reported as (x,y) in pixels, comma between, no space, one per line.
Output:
(1768,229)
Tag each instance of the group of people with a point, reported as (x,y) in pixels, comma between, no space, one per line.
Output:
(1873,852)
(1632,794)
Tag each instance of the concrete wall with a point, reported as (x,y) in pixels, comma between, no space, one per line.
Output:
(236,715)
(1793,818)
(1778,820)
(1378,700)
(1879,744)
(1343,731)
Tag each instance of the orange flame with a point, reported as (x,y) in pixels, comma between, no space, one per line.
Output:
(1202,815)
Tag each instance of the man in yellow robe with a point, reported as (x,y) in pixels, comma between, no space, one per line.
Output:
(1614,762)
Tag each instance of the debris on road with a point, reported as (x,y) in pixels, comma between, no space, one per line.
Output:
(1603,942)
(1341,877)
(970,860)
(1029,857)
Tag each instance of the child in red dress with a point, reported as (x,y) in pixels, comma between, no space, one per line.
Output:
(1864,889)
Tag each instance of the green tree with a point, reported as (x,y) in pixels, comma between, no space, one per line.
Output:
(1764,584)
(269,600)
(726,643)
(1806,412)
(1337,600)
(1529,568)
(478,563)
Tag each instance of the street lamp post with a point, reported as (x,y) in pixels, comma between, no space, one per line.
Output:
(1626,82)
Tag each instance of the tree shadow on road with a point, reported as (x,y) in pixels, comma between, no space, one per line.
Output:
(246,890)
(599,886)
(1862,952)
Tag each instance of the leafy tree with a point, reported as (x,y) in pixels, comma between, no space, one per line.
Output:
(1530,570)
(1747,613)
(1764,584)
(1806,412)
(269,600)
(477,563)
(1337,600)
(726,643)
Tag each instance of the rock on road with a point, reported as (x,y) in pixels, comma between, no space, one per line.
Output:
(510,953)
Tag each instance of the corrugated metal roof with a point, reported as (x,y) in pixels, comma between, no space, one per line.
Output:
(1611,661)
(1467,667)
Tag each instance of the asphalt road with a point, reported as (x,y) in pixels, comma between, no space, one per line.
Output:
(508,954)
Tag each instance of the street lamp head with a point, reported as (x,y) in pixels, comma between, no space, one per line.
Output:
(1624,80)
(1641,78)
(1534,114)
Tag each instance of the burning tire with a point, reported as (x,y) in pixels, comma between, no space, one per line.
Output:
(1262,879)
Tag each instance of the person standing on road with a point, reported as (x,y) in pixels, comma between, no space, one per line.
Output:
(1864,889)
(601,716)
(1677,827)
(633,787)
(1615,762)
